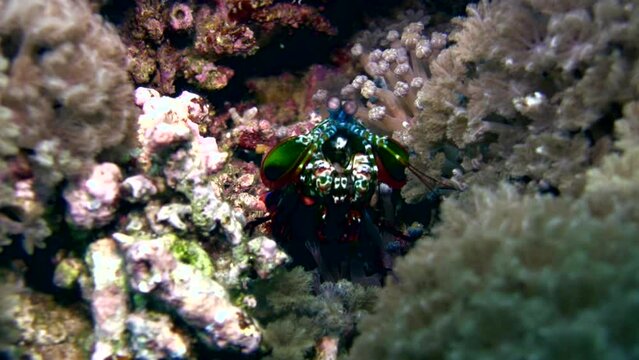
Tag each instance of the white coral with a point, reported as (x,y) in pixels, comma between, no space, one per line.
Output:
(200,301)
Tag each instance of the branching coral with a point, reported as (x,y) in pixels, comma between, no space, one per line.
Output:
(63,90)
(511,276)
(156,34)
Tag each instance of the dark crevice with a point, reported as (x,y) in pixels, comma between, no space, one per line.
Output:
(290,50)
(605,125)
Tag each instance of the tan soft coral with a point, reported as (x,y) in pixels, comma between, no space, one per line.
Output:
(520,77)
(66,78)
(64,90)
(511,276)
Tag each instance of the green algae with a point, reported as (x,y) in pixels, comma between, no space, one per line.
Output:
(191,253)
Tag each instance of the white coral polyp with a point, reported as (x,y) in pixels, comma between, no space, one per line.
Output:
(167,120)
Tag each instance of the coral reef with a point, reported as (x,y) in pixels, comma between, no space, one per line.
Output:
(185,40)
(558,80)
(108,294)
(35,325)
(167,121)
(295,320)
(181,247)
(199,300)
(184,247)
(93,202)
(397,75)
(512,276)
(522,90)
(160,240)
(64,100)
(154,337)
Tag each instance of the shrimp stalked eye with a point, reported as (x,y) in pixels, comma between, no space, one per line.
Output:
(283,163)
(392,160)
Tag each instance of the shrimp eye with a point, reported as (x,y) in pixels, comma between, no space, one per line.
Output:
(284,162)
(392,160)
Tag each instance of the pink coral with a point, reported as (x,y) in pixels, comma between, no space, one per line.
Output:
(138,188)
(266,255)
(109,299)
(239,185)
(92,202)
(169,121)
(104,182)
(223,28)
(215,34)
(155,336)
(212,158)
(205,74)
(249,131)
(181,17)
